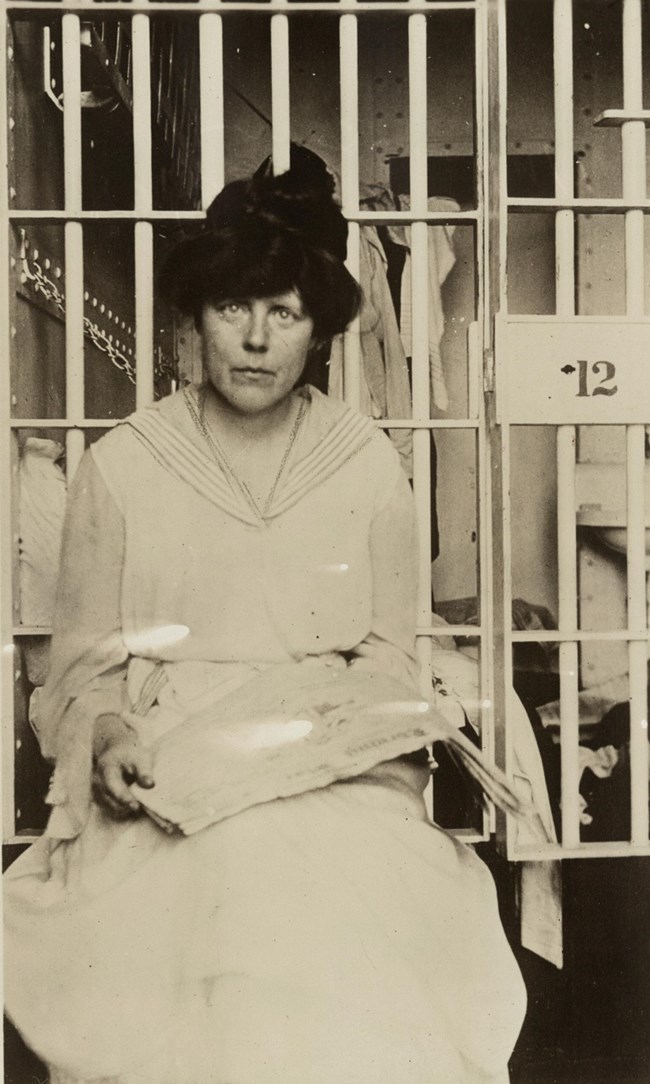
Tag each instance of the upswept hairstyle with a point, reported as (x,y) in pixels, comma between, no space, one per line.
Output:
(267,235)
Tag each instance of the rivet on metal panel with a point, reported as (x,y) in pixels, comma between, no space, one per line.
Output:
(19,814)
(10,53)
(12,193)
(19,744)
(12,124)
(17,675)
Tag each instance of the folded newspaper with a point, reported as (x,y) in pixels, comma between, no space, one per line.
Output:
(291,729)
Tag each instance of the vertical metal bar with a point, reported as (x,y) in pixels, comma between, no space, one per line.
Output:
(349,79)
(489,45)
(143,205)
(566,436)
(74,344)
(418,155)
(568,610)
(474,349)
(418,151)
(212,105)
(633,140)
(6,479)
(636,619)
(636,557)
(494,226)
(144,277)
(142,162)
(564,156)
(71,61)
(349,75)
(633,157)
(638,665)
(280,108)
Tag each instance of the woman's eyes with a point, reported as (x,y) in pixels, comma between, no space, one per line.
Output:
(282,313)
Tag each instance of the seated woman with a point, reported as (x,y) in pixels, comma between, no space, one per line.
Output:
(234,531)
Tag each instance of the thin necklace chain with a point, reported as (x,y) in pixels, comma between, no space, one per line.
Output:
(199,419)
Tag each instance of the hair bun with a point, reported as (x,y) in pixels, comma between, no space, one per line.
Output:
(300,200)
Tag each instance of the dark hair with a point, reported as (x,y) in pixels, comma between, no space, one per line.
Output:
(267,235)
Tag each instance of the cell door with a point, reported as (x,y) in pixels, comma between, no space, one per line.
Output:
(572,405)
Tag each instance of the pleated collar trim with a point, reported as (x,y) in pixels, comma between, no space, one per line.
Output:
(183,459)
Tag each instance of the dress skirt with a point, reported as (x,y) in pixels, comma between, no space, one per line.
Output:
(337,937)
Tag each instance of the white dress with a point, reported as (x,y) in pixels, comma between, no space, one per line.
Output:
(335,936)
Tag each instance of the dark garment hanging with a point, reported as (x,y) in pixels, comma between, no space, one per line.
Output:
(395,260)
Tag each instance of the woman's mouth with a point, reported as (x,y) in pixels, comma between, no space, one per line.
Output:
(255,376)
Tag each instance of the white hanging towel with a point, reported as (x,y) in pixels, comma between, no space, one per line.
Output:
(441,261)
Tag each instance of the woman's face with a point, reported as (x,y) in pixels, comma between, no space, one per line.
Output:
(255,349)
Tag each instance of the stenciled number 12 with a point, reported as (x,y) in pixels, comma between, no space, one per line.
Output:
(604,386)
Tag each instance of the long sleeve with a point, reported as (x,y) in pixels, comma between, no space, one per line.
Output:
(390,645)
(88,658)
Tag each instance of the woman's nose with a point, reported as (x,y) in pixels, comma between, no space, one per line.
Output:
(256,333)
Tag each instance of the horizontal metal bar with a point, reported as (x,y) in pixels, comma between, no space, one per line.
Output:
(591,206)
(53,217)
(405,8)
(63,423)
(427,423)
(554,635)
(576,321)
(101,423)
(402,218)
(614,118)
(549,851)
(82,7)
(385,218)
(32,630)
(449,630)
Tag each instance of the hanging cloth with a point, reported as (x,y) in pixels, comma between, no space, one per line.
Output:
(385,388)
(441,261)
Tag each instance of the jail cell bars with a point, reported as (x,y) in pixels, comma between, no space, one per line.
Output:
(142,38)
(572,636)
(420,24)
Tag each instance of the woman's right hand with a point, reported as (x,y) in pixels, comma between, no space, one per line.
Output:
(119,759)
